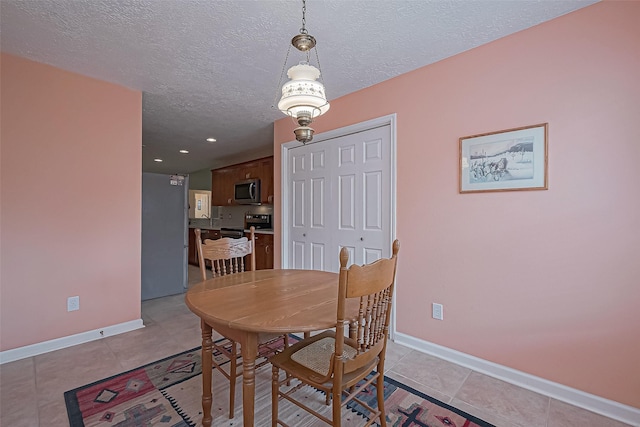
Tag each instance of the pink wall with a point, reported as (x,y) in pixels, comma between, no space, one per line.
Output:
(545,282)
(71,191)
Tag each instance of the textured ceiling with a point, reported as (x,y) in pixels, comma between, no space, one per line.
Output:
(211,68)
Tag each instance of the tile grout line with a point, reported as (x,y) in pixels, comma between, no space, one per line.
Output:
(548,412)
(455,393)
(35,386)
(117,357)
(424,385)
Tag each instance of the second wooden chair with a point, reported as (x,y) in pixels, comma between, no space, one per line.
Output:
(337,365)
(227,256)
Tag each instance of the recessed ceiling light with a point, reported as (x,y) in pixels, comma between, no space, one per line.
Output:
(184,151)
(211,140)
(157,160)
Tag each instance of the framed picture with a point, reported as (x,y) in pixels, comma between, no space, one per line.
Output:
(507,160)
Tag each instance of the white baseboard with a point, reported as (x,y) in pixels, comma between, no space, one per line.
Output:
(600,405)
(71,340)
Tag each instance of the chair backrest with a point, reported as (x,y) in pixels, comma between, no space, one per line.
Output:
(227,255)
(373,284)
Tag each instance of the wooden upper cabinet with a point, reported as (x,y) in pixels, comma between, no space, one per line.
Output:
(223,180)
(266,180)
(250,170)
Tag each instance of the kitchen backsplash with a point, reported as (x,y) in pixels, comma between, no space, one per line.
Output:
(230,216)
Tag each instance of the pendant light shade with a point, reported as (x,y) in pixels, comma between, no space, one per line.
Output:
(303,95)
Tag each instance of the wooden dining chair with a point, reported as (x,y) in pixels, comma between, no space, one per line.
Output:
(230,256)
(338,365)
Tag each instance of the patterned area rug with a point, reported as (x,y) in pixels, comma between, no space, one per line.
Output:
(167,393)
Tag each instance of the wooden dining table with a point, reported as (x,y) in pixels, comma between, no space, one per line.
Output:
(240,306)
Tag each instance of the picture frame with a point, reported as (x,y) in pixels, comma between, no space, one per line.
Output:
(507,160)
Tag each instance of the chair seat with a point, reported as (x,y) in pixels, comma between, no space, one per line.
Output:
(285,361)
(317,355)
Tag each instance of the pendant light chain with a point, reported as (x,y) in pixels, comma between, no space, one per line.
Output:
(278,88)
(319,67)
(303,30)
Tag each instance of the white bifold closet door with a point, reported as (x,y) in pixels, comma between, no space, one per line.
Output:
(339,195)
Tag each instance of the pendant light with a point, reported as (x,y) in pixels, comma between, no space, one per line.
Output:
(303,97)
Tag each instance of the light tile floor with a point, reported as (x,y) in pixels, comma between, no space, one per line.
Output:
(31,390)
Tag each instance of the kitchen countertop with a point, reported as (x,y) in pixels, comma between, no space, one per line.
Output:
(262,231)
(209,227)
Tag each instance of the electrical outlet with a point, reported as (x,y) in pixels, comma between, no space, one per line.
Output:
(436,311)
(73,303)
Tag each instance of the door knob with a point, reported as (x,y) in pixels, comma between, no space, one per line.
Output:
(361,239)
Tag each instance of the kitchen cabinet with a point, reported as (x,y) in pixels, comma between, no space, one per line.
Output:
(263,169)
(249,170)
(222,182)
(193,249)
(266,174)
(224,179)
(264,251)
(193,252)
(264,247)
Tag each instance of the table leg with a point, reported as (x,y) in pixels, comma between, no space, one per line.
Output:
(249,352)
(207,399)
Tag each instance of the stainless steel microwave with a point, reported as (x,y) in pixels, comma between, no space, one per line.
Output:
(247,192)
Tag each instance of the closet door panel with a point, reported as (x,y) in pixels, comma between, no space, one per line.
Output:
(340,197)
